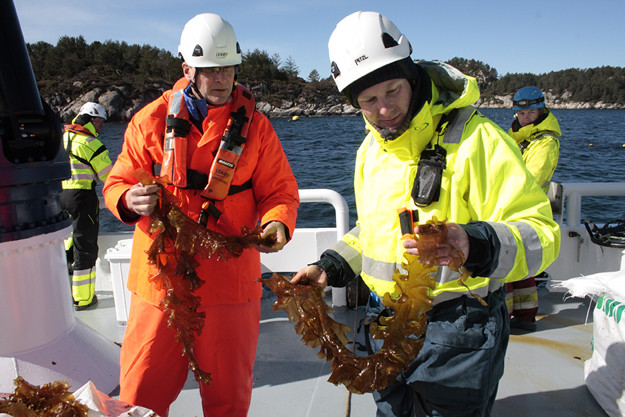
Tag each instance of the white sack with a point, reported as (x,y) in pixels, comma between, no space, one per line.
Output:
(604,372)
(611,284)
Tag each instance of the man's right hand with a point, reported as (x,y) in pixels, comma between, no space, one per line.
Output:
(311,274)
(142,199)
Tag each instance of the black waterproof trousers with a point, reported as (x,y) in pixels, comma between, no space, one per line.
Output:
(457,372)
(83,206)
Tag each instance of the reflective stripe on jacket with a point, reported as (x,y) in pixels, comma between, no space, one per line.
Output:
(543,150)
(273,195)
(88,157)
(484,180)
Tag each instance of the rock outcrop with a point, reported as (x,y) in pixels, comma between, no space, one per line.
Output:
(122,102)
(553,102)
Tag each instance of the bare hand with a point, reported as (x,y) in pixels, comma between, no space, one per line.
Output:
(271,228)
(142,199)
(311,274)
(457,240)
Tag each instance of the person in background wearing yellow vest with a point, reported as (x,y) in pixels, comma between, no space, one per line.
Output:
(536,130)
(420,119)
(90,162)
(201,112)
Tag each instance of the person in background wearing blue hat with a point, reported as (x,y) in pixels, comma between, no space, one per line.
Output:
(536,130)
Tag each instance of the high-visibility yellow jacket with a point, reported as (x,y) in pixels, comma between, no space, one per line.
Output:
(540,147)
(485,186)
(88,157)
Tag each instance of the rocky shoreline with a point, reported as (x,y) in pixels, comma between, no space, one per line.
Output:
(121,104)
(553,102)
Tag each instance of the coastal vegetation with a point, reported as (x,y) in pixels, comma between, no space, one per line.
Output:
(65,72)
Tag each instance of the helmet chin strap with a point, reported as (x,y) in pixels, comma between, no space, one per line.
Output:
(194,89)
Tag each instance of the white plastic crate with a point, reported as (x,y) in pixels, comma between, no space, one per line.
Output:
(119,258)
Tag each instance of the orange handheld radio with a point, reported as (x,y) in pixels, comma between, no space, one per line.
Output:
(407,220)
(227,157)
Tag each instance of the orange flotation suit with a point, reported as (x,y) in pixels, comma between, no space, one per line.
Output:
(262,188)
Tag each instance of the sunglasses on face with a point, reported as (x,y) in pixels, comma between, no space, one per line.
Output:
(211,72)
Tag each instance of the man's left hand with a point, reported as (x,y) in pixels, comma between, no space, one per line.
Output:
(457,240)
(276,228)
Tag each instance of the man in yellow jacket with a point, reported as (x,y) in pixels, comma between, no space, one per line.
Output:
(428,150)
(536,130)
(90,162)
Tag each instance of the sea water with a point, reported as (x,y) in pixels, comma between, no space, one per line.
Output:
(322,151)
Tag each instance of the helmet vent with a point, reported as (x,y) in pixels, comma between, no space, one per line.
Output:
(238,48)
(197,51)
(388,41)
(334,69)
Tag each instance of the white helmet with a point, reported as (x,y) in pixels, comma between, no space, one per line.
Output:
(93,110)
(207,40)
(362,43)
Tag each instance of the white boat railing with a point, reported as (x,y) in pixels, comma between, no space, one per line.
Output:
(572,193)
(579,256)
(306,246)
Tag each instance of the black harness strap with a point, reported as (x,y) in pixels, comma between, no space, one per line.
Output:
(80,159)
(98,151)
(181,127)
(523,146)
(235,189)
(197,180)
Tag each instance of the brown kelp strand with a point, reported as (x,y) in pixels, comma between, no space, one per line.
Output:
(48,400)
(178,242)
(430,235)
(402,333)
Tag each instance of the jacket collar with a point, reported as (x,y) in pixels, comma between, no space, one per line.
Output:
(87,129)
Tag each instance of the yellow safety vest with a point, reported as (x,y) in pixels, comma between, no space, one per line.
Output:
(88,157)
(484,180)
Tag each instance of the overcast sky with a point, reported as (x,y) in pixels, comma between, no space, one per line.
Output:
(511,36)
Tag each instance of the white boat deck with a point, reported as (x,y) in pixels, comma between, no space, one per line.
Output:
(544,372)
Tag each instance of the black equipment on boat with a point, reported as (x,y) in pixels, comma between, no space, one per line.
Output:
(33,161)
(611,234)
